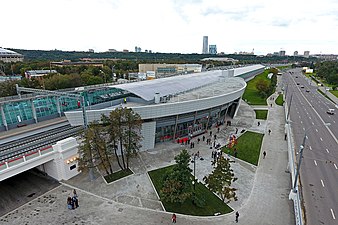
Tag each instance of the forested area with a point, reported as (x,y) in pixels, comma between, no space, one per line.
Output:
(328,71)
(123,64)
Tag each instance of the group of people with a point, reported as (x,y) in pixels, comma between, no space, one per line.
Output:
(73,202)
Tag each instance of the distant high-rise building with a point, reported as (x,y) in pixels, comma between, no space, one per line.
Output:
(295,53)
(281,53)
(91,50)
(306,54)
(213,49)
(205,45)
(138,49)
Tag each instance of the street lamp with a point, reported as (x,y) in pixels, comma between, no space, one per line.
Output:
(301,148)
(194,181)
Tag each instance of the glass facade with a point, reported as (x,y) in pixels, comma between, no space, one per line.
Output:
(190,124)
(17,112)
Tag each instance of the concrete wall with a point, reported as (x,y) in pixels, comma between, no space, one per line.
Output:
(148,133)
(60,167)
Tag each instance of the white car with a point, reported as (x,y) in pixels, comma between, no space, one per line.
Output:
(330,111)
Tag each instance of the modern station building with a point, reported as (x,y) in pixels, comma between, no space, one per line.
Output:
(170,107)
(178,106)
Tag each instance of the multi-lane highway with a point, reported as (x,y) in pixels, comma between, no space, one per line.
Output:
(319,168)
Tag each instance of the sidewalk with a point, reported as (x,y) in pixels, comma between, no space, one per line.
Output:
(262,190)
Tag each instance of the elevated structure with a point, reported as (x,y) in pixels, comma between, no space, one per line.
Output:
(59,161)
(8,56)
(179,106)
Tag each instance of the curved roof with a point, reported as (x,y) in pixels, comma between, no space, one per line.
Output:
(8,52)
(179,84)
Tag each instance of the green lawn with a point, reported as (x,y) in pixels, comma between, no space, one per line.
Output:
(251,95)
(335,93)
(279,100)
(261,114)
(248,147)
(212,204)
(117,175)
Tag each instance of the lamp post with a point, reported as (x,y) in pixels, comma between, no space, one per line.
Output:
(301,149)
(194,181)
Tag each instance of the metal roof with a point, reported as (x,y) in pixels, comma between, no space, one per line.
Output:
(178,84)
(7,52)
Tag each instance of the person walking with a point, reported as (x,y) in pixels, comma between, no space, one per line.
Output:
(237,216)
(269,131)
(173,218)
(264,154)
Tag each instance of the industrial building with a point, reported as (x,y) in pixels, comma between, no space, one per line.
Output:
(8,56)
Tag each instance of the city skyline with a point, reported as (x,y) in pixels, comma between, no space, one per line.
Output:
(172,26)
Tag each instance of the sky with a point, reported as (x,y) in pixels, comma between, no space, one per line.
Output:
(171,26)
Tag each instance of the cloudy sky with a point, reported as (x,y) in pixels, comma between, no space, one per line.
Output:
(171,25)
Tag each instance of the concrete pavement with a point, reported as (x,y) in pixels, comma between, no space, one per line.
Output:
(262,190)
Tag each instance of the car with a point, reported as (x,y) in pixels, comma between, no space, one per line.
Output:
(302,86)
(330,111)
(298,83)
(307,90)
(296,76)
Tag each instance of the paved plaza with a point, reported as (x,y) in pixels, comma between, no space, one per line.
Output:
(262,190)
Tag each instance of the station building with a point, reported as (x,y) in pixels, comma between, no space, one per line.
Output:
(179,106)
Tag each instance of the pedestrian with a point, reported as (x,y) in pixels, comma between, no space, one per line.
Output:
(269,131)
(212,154)
(203,138)
(237,216)
(217,129)
(198,140)
(236,130)
(215,137)
(235,154)
(285,136)
(271,104)
(69,203)
(198,154)
(259,123)
(210,133)
(264,154)
(173,218)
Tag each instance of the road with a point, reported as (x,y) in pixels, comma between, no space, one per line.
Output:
(318,173)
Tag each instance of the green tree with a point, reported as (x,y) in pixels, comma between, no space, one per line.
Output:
(93,151)
(177,184)
(263,88)
(220,180)
(123,126)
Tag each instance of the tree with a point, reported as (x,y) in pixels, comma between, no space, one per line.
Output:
(177,184)
(94,152)
(263,88)
(123,127)
(219,181)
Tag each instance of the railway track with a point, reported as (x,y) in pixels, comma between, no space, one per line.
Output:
(35,142)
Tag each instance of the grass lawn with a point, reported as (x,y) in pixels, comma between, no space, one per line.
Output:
(117,175)
(212,204)
(251,95)
(279,100)
(248,147)
(335,93)
(261,114)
